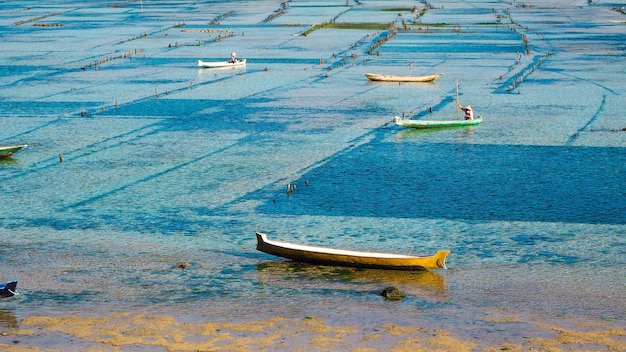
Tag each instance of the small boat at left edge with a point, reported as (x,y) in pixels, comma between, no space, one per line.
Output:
(7,151)
(9,289)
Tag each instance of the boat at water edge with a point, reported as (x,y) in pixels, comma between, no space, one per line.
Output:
(221,64)
(7,151)
(9,289)
(340,257)
(397,78)
(410,123)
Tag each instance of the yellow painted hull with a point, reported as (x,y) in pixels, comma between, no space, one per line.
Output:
(339,257)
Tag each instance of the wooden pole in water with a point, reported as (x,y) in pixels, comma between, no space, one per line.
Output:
(457,99)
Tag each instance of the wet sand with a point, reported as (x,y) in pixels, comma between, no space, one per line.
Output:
(140,332)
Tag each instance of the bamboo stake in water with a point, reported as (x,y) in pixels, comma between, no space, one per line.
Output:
(457,98)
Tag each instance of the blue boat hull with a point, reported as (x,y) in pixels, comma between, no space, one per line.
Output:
(9,289)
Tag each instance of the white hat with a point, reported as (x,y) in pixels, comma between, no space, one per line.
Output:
(468,107)
(233,54)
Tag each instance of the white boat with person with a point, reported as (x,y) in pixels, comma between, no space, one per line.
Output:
(221,64)
(232,62)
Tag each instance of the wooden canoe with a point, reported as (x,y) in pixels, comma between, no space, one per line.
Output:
(404,122)
(396,78)
(220,64)
(340,257)
(9,289)
(7,151)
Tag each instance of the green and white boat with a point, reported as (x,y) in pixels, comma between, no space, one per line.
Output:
(410,123)
(7,151)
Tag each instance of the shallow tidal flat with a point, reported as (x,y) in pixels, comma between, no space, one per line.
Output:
(129,219)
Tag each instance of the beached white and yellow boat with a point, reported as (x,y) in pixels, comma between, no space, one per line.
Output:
(341,257)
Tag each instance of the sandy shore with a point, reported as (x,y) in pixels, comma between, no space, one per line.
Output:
(141,332)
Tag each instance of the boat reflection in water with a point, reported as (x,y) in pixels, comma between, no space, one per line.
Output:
(297,274)
(8,319)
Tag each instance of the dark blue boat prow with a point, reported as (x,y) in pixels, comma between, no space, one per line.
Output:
(9,289)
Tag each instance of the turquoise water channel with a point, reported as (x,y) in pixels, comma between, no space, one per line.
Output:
(138,160)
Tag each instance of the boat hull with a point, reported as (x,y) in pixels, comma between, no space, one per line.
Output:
(221,64)
(9,289)
(9,150)
(395,78)
(400,121)
(338,257)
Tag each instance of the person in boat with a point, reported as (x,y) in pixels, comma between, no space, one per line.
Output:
(469,113)
(233,58)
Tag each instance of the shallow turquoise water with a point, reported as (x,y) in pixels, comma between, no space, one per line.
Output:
(190,163)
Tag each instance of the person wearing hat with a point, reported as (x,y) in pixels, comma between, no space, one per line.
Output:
(469,113)
(233,58)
